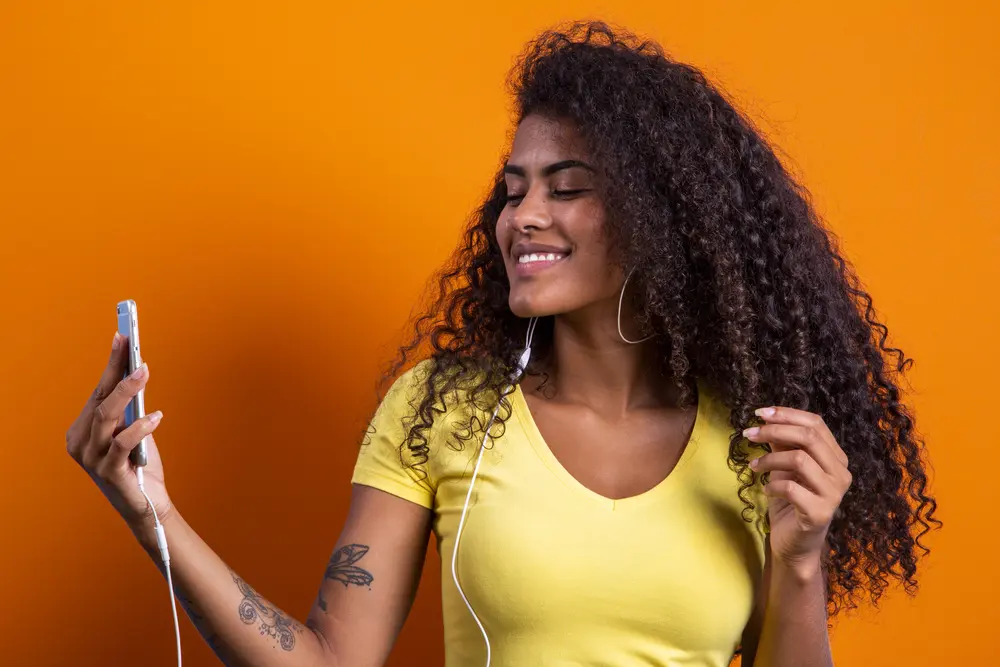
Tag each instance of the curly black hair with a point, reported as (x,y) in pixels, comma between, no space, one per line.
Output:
(738,278)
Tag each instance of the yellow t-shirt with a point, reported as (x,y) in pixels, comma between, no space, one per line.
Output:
(560,575)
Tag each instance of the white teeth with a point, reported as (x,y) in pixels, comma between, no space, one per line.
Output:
(535,257)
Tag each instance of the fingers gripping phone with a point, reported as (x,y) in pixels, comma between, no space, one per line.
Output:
(128,328)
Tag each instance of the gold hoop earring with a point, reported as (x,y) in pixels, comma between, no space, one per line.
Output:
(621,298)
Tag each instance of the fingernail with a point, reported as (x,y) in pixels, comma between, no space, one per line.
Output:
(764,412)
(116,341)
(139,372)
(154,418)
(755,463)
(751,432)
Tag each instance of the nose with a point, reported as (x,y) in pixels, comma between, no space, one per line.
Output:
(532,212)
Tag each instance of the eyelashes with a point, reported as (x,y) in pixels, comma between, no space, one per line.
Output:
(558,194)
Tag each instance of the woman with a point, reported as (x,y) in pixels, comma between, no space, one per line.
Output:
(705,454)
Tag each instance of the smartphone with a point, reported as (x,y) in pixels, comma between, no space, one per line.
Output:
(128,328)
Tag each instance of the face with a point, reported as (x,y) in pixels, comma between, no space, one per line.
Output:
(551,231)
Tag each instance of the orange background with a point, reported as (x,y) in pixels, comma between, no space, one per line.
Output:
(273,182)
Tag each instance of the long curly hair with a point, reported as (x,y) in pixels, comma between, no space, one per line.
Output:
(742,285)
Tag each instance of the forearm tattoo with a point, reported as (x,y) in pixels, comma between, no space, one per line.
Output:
(271,621)
(342,567)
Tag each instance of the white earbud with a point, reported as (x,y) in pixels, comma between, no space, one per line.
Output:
(522,363)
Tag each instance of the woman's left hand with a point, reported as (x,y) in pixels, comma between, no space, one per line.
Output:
(809,477)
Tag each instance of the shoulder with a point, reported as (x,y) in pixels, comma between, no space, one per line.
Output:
(408,388)
(722,470)
(425,414)
(429,396)
(717,414)
(424,379)
(713,409)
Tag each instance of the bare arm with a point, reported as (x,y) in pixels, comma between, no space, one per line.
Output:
(366,593)
(808,474)
(368,586)
(788,624)
(240,625)
(794,631)
(371,580)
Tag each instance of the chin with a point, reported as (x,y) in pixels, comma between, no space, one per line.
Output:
(527,307)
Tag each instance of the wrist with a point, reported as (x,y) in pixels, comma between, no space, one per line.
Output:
(801,572)
(144,526)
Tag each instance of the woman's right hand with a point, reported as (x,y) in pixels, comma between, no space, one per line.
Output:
(100,443)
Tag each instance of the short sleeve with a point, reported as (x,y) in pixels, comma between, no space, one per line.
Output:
(382,461)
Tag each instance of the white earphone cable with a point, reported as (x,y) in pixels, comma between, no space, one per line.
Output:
(161,536)
(522,364)
(161,543)
(458,536)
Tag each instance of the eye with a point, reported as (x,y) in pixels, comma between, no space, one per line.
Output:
(514,200)
(569,194)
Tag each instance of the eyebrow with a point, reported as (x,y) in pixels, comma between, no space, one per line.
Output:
(515,170)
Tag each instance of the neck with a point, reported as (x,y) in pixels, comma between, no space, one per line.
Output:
(593,366)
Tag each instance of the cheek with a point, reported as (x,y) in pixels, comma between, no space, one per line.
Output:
(586,228)
(597,268)
(594,274)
